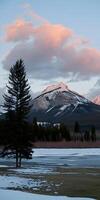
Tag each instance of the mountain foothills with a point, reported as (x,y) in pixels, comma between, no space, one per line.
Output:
(57,103)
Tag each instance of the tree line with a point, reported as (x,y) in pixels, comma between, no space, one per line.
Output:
(55,132)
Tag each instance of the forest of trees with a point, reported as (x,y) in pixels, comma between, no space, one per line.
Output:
(53,132)
(17,136)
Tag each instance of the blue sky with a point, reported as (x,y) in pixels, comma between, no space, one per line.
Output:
(81,17)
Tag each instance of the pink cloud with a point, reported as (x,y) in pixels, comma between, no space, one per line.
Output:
(20,30)
(54,51)
(51,35)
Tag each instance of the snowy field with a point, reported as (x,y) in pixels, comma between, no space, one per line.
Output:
(16,195)
(52,172)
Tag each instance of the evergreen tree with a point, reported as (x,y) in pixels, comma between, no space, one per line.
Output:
(76,130)
(17,106)
(76,127)
(65,132)
(35,130)
(93,133)
(87,136)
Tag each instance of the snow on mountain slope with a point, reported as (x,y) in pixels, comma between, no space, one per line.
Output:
(96,100)
(58,95)
(60,86)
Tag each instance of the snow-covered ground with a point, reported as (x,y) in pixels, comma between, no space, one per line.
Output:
(19,182)
(17,195)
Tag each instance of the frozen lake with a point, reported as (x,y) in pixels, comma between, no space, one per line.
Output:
(89,157)
(72,158)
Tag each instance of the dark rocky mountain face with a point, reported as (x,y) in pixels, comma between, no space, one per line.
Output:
(59,104)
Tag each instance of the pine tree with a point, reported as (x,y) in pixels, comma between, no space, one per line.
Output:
(93,133)
(65,132)
(76,127)
(17,106)
(76,130)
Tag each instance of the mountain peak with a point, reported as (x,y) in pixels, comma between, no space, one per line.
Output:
(96,100)
(61,86)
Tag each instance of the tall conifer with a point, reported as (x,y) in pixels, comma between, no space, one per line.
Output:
(17,104)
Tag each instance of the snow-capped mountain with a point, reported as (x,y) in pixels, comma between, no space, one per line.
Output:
(58,95)
(57,103)
(96,100)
